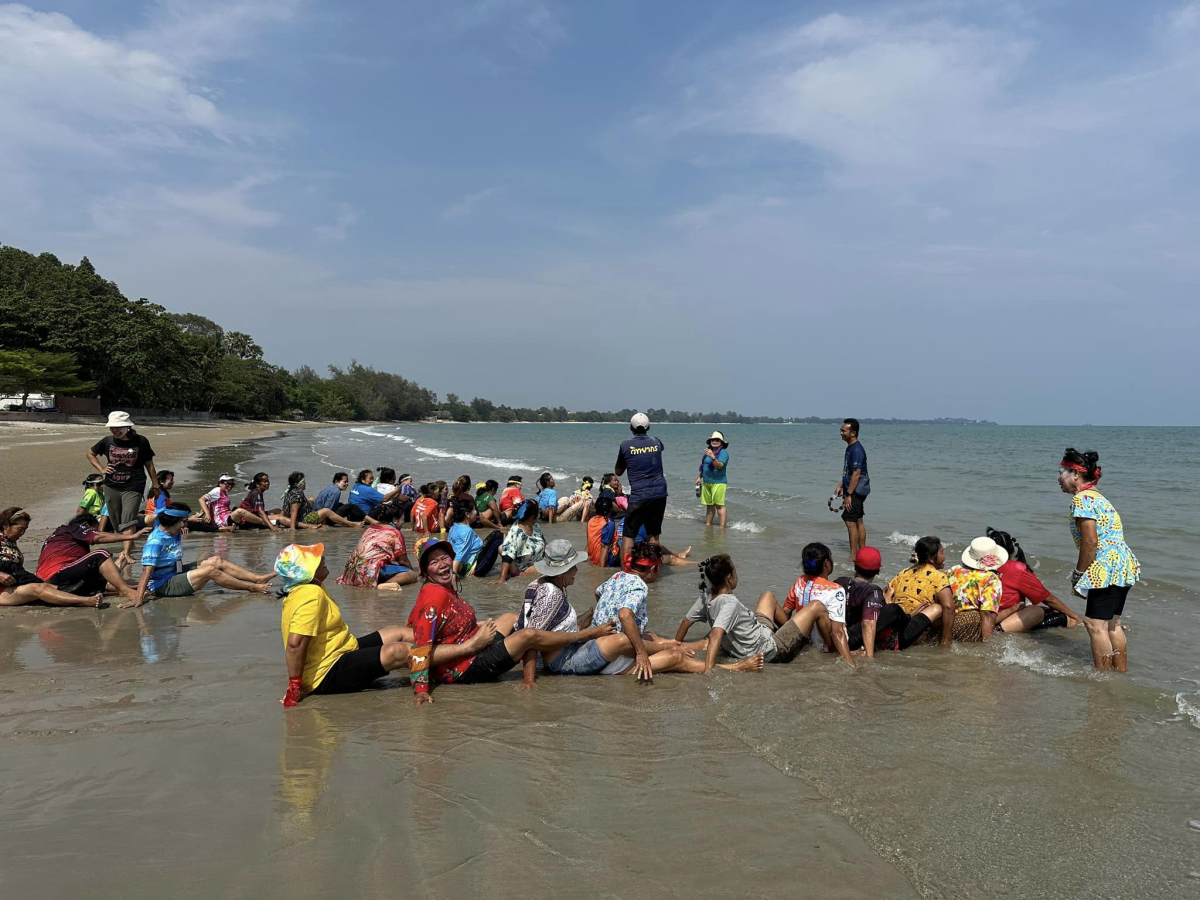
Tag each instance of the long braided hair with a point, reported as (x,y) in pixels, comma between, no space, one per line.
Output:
(714,573)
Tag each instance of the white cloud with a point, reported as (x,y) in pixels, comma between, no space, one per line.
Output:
(195,34)
(347,217)
(467,204)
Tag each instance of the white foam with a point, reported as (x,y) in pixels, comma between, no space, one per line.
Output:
(1187,706)
(906,540)
(383,434)
(516,465)
(1029,656)
(748,527)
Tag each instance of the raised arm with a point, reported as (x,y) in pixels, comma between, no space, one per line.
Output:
(94,461)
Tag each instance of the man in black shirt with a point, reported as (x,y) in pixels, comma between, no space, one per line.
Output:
(641,457)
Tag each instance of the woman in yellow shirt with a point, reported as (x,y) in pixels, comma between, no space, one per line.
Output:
(923,592)
(323,657)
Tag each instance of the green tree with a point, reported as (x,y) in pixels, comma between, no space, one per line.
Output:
(28,372)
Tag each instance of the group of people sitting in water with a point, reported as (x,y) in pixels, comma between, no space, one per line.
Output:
(442,641)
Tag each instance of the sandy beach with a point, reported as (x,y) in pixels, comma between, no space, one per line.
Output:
(42,465)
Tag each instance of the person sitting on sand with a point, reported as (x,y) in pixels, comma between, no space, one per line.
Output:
(510,500)
(381,557)
(441,617)
(70,561)
(1021,587)
(733,629)
(298,511)
(489,515)
(386,483)
(546,606)
(425,516)
(215,504)
(603,536)
(814,586)
(977,591)
(19,586)
(578,505)
(922,591)
(92,501)
(156,504)
(363,497)
(330,497)
(547,498)
(523,545)
(462,537)
(622,600)
(865,604)
(164,574)
(322,656)
(252,512)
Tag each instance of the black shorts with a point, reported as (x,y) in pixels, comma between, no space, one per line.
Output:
(356,670)
(488,665)
(20,578)
(82,577)
(350,512)
(647,514)
(1107,603)
(855,512)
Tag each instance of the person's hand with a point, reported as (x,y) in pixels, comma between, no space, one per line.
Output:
(710,454)
(424,698)
(642,668)
(697,479)
(1075,576)
(6,580)
(292,697)
(837,491)
(138,600)
(484,636)
(109,469)
(599,631)
(846,502)
(141,534)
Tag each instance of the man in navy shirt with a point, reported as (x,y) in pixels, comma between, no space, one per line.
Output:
(641,457)
(854,486)
(331,497)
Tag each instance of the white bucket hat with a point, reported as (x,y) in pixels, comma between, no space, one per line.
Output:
(985,554)
(639,420)
(717,436)
(119,419)
(558,557)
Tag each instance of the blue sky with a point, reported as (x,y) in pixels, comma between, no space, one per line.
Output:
(873,209)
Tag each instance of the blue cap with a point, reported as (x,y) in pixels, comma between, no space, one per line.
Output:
(174,513)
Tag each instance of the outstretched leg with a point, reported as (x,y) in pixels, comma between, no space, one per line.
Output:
(48,594)
(225,567)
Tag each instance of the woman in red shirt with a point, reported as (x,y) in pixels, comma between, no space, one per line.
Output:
(441,616)
(1021,585)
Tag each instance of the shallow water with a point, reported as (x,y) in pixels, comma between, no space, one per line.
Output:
(145,746)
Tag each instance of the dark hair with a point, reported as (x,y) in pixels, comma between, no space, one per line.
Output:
(425,490)
(543,479)
(460,510)
(363,474)
(813,559)
(853,423)
(516,478)
(403,475)
(1089,459)
(387,475)
(164,475)
(461,483)
(295,478)
(386,512)
(608,476)
(527,510)
(715,572)
(587,479)
(94,478)
(865,573)
(647,551)
(338,476)
(1008,542)
(925,551)
(85,518)
(604,507)
(164,520)
(491,485)
(258,476)
(13,514)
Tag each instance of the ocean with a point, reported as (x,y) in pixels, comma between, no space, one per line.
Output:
(1009,769)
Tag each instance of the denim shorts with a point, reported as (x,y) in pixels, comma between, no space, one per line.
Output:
(583,658)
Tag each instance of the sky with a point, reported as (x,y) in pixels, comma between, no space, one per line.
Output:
(979,209)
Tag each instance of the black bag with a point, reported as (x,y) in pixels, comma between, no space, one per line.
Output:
(488,554)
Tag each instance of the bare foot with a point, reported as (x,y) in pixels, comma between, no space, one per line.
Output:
(1071,623)
(261,589)
(484,636)
(389,586)
(684,554)
(753,664)
(266,579)
(98,601)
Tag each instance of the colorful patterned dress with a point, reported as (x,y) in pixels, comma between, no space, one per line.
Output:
(1114,565)
(379,546)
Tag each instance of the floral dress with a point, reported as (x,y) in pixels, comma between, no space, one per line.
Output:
(379,546)
(521,549)
(1114,565)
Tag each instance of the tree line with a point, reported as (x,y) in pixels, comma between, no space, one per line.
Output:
(64,329)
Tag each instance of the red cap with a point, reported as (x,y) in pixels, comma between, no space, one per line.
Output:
(868,559)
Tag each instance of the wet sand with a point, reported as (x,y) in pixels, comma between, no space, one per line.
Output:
(146,750)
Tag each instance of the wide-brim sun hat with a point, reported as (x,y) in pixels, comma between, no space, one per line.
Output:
(427,550)
(718,436)
(984,554)
(119,419)
(558,558)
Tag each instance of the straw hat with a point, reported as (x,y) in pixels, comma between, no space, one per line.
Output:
(558,557)
(119,419)
(985,554)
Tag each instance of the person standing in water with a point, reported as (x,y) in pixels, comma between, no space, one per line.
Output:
(1106,568)
(854,487)
(714,478)
(641,457)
